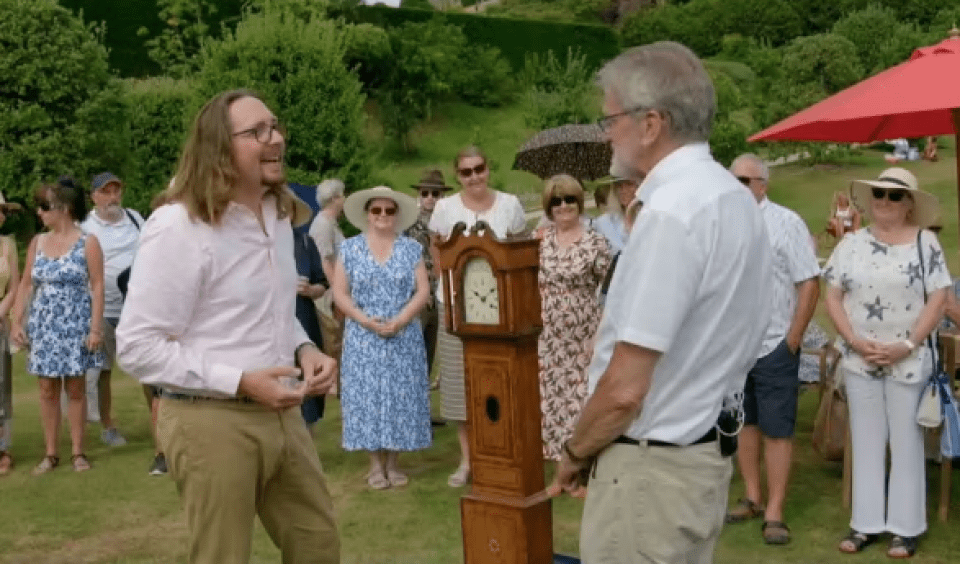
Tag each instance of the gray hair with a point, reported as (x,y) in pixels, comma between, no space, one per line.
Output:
(328,190)
(668,77)
(751,158)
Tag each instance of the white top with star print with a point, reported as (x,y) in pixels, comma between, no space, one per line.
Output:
(883,296)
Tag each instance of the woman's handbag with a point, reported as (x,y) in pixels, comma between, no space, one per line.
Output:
(830,425)
(930,412)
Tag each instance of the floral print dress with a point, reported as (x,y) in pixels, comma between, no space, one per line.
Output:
(384,397)
(569,278)
(882,288)
(60,315)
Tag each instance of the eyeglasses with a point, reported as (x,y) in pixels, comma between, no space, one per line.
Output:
(430,193)
(262,132)
(892,194)
(468,172)
(747,179)
(377,210)
(44,205)
(606,122)
(569,200)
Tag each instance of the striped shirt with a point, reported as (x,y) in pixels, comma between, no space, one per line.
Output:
(794,261)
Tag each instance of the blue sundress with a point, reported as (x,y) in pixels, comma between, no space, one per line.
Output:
(60,315)
(384,394)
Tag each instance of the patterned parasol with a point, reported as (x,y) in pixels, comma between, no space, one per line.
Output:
(577,150)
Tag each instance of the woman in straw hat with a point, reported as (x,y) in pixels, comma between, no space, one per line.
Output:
(9,279)
(886,290)
(380,284)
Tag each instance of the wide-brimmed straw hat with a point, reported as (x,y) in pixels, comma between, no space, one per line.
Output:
(355,207)
(302,213)
(926,207)
(432,180)
(8,206)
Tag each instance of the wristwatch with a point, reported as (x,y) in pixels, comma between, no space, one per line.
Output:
(573,458)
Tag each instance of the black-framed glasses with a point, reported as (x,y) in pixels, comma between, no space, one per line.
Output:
(430,193)
(606,122)
(377,210)
(468,172)
(569,200)
(745,180)
(892,194)
(262,132)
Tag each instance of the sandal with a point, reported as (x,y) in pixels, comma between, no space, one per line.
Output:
(377,480)
(397,478)
(47,463)
(858,541)
(80,462)
(902,547)
(459,478)
(775,532)
(744,510)
(6,463)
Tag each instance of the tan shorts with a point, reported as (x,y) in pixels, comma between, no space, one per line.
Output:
(655,505)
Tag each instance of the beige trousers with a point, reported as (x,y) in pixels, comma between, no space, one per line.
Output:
(655,505)
(232,461)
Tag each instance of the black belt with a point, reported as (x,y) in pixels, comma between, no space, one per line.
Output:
(709,437)
(193,398)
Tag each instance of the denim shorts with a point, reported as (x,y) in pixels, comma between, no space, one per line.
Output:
(770,393)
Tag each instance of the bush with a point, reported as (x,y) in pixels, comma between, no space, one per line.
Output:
(297,66)
(826,60)
(367,52)
(483,78)
(558,93)
(60,111)
(158,115)
(881,40)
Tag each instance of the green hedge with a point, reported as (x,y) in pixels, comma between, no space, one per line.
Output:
(515,38)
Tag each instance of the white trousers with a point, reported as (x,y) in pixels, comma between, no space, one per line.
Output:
(883,411)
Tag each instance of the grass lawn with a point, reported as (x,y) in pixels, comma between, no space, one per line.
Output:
(116,513)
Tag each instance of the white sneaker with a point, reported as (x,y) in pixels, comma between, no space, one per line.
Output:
(112,437)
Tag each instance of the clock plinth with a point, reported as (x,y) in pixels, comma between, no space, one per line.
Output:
(493,305)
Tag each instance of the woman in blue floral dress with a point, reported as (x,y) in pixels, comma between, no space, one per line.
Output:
(63,330)
(380,284)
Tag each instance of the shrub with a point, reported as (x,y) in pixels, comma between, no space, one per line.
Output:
(297,66)
(158,115)
(881,40)
(367,52)
(827,60)
(558,93)
(59,108)
(483,78)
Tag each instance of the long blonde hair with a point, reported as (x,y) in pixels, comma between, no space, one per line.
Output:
(205,181)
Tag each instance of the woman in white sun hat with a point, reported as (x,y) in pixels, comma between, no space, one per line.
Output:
(887,285)
(380,284)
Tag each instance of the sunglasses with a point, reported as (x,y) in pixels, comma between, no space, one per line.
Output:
(468,172)
(569,200)
(892,194)
(377,210)
(44,205)
(747,179)
(429,193)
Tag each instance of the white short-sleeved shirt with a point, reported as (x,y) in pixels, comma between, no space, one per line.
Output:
(793,262)
(692,282)
(327,235)
(882,288)
(614,229)
(505,217)
(118,241)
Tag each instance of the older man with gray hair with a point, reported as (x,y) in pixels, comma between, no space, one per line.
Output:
(324,230)
(773,384)
(684,318)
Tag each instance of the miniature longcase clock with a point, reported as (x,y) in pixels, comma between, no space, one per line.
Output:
(493,305)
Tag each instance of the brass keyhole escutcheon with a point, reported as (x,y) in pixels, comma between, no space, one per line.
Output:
(493,409)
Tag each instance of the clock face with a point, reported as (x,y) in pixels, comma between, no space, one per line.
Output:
(481,294)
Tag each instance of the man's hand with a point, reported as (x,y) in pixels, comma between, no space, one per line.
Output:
(793,344)
(271,387)
(568,479)
(319,371)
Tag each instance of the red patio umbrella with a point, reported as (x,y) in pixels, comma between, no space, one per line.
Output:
(916,98)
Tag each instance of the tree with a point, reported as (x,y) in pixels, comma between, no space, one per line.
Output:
(558,92)
(297,66)
(60,110)
(880,38)
(177,46)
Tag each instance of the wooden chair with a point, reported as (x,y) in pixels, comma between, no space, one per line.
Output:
(949,344)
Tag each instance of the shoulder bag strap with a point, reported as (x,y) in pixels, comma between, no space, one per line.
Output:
(132,218)
(923,282)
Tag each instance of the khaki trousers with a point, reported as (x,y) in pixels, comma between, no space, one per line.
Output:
(655,505)
(232,461)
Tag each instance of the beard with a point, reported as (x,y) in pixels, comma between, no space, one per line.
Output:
(620,169)
(111,213)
